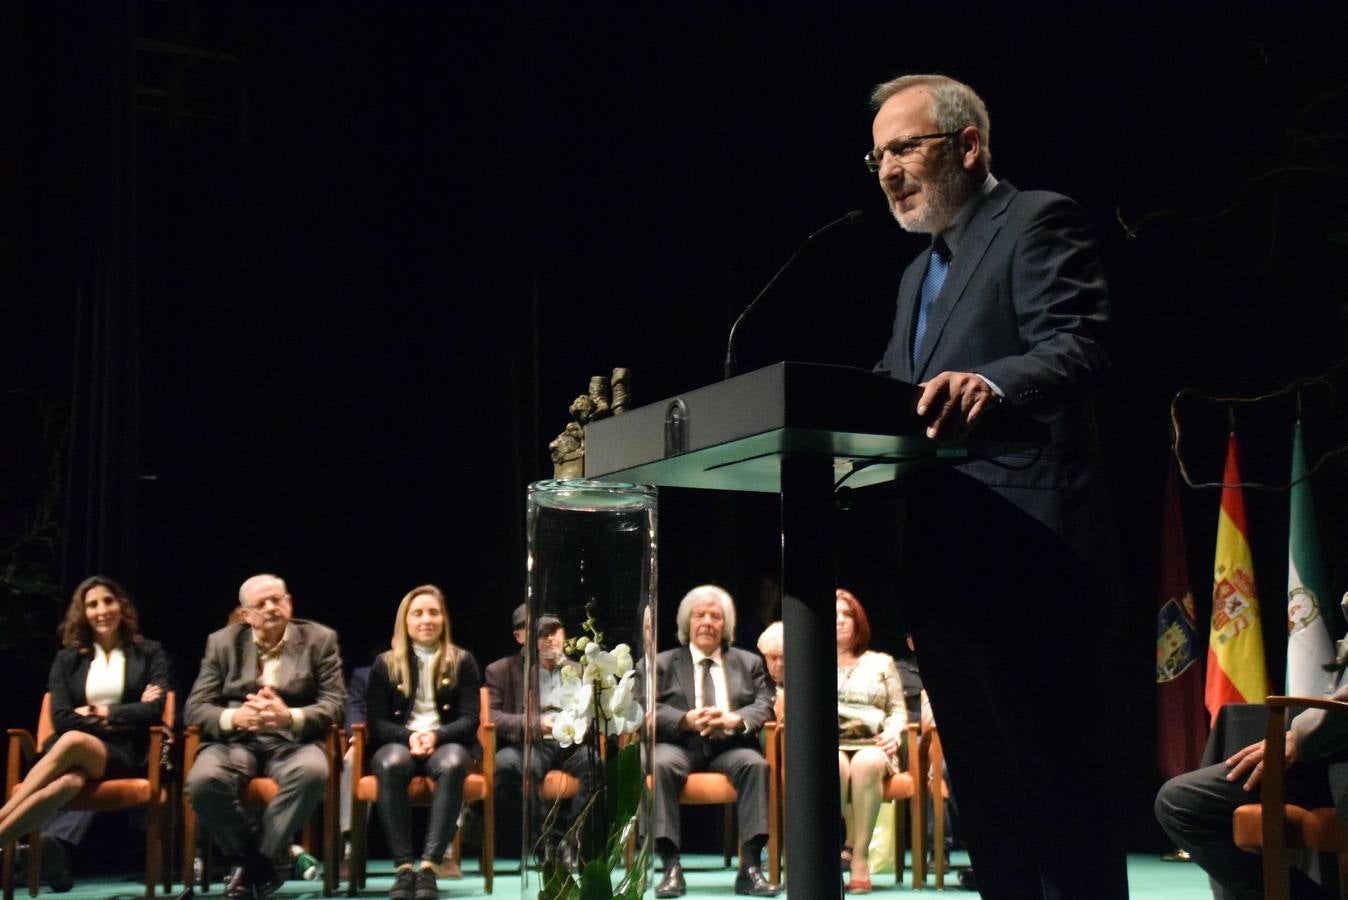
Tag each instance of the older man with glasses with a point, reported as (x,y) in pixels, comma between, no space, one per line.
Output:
(1003,559)
(267,690)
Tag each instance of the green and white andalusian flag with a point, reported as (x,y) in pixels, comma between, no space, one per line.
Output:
(1312,622)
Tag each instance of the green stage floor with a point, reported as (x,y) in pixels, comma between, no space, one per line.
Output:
(1149,879)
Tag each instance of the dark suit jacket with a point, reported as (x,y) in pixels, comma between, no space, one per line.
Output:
(145,665)
(387,709)
(1025,305)
(505,696)
(750,689)
(310,678)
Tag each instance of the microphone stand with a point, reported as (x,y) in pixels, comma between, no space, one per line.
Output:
(852,218)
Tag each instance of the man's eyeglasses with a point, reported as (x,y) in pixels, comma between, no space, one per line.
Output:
(263,603)
(903,149)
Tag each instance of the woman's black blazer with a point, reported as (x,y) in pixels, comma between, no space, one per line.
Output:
(387,709)
(145,665)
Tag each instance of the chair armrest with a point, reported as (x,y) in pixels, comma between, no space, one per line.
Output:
(486,732)
(935,759)
(912,733)
(772,742)
(332,748)
(161,739)
(22,746)
(191,744)
(358,753)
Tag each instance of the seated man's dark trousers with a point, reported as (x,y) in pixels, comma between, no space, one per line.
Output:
(300,770)
(740,760)
(547,755)
(1196,811)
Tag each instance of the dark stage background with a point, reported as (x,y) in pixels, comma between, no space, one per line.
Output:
(307,287)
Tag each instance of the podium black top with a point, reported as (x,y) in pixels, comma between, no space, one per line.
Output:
(733,435)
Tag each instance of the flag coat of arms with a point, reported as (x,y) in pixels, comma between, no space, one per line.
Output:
(1236,671)
(1181,727)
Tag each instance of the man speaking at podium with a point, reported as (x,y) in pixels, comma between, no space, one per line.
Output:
(1007,561)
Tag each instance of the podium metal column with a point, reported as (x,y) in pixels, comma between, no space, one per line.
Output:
(808,617)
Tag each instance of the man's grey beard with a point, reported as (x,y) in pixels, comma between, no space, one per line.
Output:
(945,193)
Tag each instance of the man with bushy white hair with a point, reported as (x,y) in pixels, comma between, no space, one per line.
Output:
(711,700)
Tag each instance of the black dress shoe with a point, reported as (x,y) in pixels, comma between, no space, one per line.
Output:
(265,878)
(55,867)
(751,883)
(404,885)
(672,885)
(965,878)
(426,888)
(238,886)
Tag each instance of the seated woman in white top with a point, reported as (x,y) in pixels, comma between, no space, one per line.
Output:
(107,685)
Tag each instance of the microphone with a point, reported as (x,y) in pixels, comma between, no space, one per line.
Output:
(852,218)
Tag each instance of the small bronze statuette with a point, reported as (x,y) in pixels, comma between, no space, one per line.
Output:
(568,448)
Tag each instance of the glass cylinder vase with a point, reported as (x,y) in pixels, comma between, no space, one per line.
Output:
(588,709)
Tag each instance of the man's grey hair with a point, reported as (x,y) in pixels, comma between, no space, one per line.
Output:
(255,578)
(954,105)
(771,639)
(701,594)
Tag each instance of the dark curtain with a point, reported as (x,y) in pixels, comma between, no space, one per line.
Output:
(104,449)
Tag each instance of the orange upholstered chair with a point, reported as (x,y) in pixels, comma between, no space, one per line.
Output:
(149,792)
(479,786)
(713,788)
(256,795)
(1271,826)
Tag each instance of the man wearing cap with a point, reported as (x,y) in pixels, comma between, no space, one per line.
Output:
(505,694)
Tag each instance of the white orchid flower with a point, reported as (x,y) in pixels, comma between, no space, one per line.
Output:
(622,712)
(622,656)
(600,665)
(568,729)
(580,702)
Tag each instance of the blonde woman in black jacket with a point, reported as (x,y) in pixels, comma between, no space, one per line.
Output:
(422,706)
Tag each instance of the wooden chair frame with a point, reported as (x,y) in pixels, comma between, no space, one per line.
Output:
(101,795)
(480,785)
(931,760)
(1282,825)
(256,795)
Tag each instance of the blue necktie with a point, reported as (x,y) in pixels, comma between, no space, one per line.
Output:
(938,266)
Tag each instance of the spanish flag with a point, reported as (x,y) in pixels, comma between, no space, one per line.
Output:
(1236,672)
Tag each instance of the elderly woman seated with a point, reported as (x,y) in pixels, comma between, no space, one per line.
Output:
(770,645)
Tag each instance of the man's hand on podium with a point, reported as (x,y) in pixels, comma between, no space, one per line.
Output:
(953,402)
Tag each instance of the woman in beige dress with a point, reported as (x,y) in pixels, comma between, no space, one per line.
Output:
(871,722)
